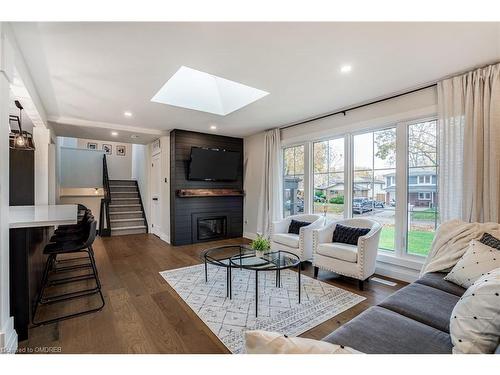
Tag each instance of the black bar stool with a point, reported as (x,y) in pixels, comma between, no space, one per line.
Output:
(69,245)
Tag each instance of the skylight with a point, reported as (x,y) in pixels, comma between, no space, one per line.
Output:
(193,89)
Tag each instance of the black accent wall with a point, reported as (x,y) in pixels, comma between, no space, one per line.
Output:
(185,211)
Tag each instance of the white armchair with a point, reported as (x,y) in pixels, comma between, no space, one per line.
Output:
(349,260)
(299,244)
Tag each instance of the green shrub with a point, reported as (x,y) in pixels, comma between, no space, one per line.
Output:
(339,199)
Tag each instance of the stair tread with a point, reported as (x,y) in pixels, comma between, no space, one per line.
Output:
(123,205)
(125,212)
(132,227)
(122,220)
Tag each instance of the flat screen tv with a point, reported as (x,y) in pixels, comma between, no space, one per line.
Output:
(208,164)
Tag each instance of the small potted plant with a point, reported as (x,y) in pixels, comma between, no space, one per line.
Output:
(261,245)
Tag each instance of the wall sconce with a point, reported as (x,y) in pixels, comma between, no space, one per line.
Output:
(20,139)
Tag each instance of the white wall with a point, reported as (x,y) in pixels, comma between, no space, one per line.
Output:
(407,107)
(141,161)
(8,336)
(41,137)
(80,168)
(165,188)
(119,167)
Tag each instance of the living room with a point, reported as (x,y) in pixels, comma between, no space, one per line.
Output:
(304,187)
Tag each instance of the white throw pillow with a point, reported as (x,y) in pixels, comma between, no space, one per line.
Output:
(263,342)
(475,320)
(477,260)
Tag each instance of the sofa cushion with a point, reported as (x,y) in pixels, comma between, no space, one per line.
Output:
(476,262)
(295,226)
(348,235)
(436,280)
(424,304)
(381,331)
(337,250)
(287,239)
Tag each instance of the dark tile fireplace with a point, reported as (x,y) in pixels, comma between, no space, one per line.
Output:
(202,211)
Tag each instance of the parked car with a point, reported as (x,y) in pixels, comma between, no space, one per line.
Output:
(318,199)
(361,205)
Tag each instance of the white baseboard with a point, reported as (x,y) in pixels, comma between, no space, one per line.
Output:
(396,272)
(8,337)
(164,237)
(250,235)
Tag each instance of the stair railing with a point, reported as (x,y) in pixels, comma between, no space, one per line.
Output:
(104,221)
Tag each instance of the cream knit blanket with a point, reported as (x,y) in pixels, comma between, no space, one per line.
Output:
(451,242)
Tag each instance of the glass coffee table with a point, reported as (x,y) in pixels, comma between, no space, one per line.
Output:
(243,257)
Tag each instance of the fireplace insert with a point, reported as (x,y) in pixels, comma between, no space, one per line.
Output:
(211,228)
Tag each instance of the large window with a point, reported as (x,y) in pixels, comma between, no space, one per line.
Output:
(374,183)
(385,174)
(422,186)
(328,178)
(293,180)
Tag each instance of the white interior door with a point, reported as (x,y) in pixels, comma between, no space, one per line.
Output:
(155,194)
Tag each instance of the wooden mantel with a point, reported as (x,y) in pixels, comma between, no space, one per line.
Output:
(193,193)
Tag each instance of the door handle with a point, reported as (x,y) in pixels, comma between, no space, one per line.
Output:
(155,199)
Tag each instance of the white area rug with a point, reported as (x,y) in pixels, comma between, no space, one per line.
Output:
(279,309)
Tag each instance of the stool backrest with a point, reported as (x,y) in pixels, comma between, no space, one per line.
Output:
(91,228)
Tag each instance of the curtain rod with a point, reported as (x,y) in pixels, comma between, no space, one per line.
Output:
(344,111)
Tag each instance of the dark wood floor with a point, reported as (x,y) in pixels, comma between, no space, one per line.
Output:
(144,315)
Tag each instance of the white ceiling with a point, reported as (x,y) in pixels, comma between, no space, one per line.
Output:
(88,74)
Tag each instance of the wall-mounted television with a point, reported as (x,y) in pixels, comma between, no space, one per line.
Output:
(211,164)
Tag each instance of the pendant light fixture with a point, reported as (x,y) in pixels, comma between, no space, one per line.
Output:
(20,139)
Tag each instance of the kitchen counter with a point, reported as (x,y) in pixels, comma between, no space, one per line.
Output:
(42,216)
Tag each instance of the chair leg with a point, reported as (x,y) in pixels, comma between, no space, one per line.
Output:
(302,266)
(361,285)
(316,271)
(71,295)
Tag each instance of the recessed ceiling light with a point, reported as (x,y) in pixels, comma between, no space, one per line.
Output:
(345,68)
(114,134)
(127,114)
(193,89)
(213,127)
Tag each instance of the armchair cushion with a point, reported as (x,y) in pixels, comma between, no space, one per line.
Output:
(295,226)
(348,235)
(337,250)
(287,239)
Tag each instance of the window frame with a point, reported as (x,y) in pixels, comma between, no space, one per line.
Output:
(399,256)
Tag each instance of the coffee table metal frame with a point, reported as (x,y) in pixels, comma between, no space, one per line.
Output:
(236,261)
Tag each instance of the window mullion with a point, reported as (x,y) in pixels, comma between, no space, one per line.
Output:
(401,214)
(348,174)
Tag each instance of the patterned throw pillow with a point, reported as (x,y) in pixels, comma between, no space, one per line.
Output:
(348,235)
(475,320)
(490,241)
(295,226)
(476,262)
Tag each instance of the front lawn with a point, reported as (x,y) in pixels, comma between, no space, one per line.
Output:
(419,241)
(425,215)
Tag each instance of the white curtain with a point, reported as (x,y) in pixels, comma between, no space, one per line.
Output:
(270,203)
(469,140)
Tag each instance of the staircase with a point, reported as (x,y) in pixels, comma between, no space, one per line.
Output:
(126,213)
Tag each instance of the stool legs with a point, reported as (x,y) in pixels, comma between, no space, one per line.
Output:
(51,266)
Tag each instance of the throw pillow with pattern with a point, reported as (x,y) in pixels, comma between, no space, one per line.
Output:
(490,241)
(348,235)
(295,226)
(476,262)
(475,320)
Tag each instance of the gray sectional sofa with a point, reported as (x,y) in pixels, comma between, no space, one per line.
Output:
(414,320)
